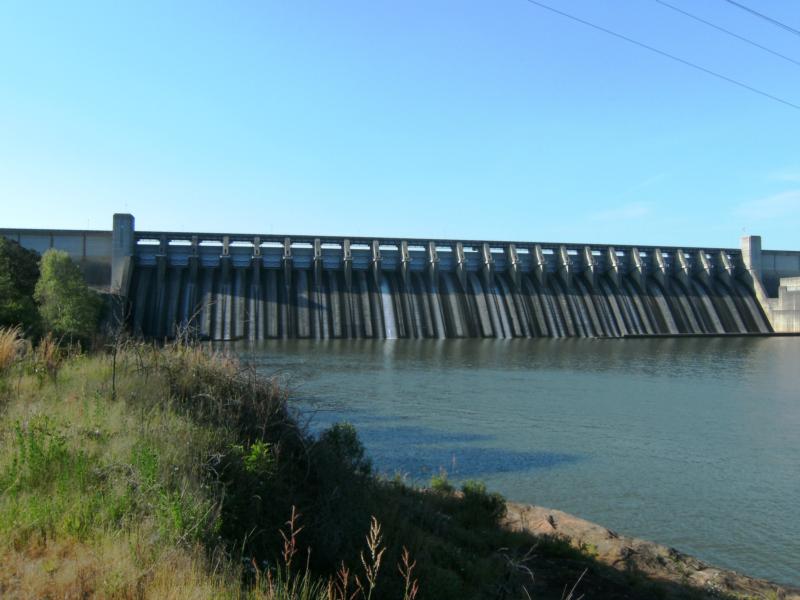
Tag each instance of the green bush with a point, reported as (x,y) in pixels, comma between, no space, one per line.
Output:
(440,483)
(339,494)
(252,501)
(341,441)
(67,306)
(41,457)
(19,271)
(480,508)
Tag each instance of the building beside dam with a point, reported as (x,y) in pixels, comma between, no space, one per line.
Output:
(236,286)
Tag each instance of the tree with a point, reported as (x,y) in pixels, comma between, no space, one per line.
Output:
(66,304)
(19,271)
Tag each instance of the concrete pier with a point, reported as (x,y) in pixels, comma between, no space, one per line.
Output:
(123,247)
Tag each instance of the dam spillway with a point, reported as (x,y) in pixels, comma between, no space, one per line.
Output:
(226,287)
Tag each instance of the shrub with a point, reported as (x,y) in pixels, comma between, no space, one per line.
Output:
(440,483)
(19,270)
(480,508)
(66,304)
(339,493)
(252,503)
(46,358)
(341,439)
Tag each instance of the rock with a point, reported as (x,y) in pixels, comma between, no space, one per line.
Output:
(656,562)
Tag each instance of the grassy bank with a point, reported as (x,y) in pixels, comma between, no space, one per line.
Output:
(175,473)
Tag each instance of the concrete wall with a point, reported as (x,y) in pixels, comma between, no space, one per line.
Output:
(776,264)
(775,276)
(785,310)
(91,250)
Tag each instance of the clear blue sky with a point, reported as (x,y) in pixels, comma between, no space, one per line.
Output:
(476,119)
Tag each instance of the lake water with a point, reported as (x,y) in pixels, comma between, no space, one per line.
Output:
(693,443)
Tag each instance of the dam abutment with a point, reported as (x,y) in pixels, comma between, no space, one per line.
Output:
(775,279)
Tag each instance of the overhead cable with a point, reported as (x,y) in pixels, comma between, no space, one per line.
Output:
(765,17)
(729,32)
(666,54)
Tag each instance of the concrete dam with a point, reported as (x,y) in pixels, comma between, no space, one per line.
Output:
(226,287)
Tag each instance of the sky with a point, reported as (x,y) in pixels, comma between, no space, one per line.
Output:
(472,119)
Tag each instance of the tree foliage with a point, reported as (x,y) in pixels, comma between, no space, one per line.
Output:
(19,271)
(67,306)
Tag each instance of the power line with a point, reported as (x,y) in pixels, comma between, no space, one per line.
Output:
(765,17)
(731,33)
(667,54)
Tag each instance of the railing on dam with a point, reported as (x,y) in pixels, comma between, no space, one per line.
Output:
(268,286)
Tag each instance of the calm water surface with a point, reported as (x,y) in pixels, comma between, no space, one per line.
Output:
(694,443)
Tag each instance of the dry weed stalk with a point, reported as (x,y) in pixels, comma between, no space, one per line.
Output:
(516,566)
(48,355)
(12,345)
(338,587)
(406,568)
(373,565)
(290,538)
(571,594)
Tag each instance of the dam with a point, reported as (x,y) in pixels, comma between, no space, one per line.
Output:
(254,287)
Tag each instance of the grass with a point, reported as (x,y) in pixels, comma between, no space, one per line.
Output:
(179,473)
(178,488)
(11,347)
(86,492)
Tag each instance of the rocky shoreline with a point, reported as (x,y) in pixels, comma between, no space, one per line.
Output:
(631,555)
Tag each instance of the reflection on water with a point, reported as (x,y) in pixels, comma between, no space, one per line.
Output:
(692,442)
(420,451)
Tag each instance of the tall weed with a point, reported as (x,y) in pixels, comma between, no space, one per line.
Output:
(12,346)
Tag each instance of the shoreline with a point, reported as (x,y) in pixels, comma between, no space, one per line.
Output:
(627,555)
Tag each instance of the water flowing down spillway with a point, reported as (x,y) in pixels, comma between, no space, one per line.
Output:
(227,301)
(387,307)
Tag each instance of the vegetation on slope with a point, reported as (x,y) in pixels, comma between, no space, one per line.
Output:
(193,480)
(182,487)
